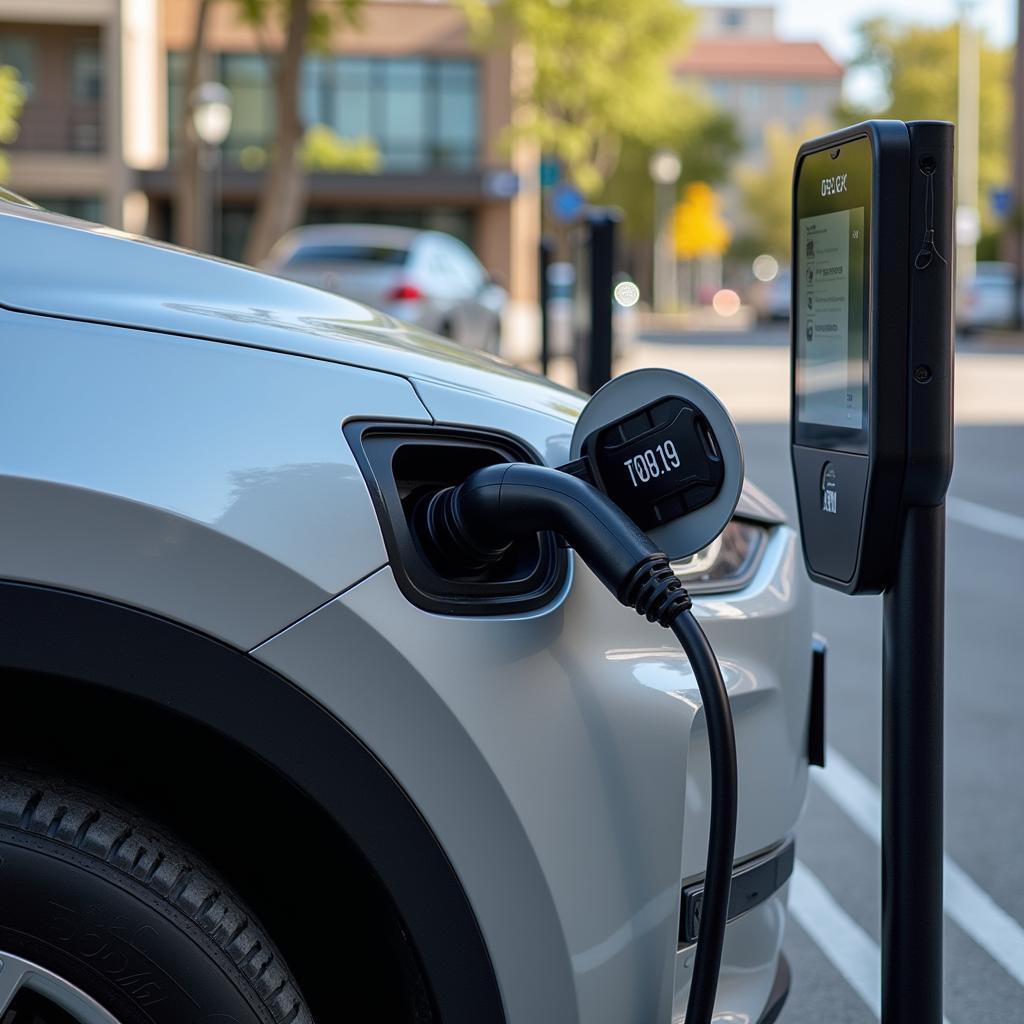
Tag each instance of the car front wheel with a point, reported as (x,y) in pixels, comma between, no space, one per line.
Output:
(106,919)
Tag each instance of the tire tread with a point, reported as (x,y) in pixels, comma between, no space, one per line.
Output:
(147,856)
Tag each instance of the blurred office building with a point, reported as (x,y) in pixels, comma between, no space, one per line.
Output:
(105,84)
(757,77)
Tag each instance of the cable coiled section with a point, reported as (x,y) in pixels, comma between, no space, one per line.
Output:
(654,590)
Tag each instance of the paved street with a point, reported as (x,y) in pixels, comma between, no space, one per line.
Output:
(985,758)
(833,933)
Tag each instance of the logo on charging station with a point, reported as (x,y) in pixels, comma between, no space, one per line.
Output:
(829,493)
(834,185)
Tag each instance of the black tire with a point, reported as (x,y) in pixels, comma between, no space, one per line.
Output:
(114,905)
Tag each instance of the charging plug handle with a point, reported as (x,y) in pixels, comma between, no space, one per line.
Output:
(468,527)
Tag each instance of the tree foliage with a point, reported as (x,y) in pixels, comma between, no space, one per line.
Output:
(305,25)
(918,66)
(767,190)
(12,96)
(600,74)
(323,149)
(706,140)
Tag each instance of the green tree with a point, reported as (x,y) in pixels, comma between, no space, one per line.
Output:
(12,96)
(323,149)
(706,140)
(918,67)
(600,75)
(767,189)
(283,194)
(305,24)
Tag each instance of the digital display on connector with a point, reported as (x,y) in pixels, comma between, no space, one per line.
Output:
(658,463)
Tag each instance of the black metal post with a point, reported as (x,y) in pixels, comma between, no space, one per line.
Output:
(912,785)
(602,224)
(544,253)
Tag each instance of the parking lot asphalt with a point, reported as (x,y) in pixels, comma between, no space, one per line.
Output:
(837,838)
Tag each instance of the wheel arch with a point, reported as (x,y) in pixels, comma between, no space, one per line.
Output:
(208,739)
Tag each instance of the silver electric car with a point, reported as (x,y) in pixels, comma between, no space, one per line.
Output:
(263,761)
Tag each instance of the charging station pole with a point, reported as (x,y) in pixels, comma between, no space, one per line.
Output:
(871,434)
(545,251)
(912,742)
(602,224)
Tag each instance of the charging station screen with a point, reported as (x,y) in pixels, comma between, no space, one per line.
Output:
(830,319)
(830,296)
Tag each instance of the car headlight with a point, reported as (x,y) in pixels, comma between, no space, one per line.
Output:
(727,563)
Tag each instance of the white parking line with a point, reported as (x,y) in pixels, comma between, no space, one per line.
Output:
(982,517)
(850,950)
(965,902)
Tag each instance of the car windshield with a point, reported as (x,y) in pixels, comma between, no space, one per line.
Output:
(348,253)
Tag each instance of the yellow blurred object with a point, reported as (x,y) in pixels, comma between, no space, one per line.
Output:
(324,150)
(699,228)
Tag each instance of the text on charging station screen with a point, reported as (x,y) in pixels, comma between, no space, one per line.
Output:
(830,319)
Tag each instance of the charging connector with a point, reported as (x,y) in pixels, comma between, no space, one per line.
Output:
(468,527)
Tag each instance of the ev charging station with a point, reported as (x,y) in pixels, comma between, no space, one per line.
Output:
(872,451)
(657,472)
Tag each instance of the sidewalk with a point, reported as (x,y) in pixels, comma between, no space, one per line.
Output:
(753,381)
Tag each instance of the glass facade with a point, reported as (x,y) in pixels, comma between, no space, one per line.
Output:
(83,207)
(87,72)
(422,112)
(19,51)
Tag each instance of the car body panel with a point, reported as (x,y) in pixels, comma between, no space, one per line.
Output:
(558,756)
(209,484)
(987,300)
(110,277)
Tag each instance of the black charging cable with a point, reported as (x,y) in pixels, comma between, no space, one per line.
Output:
(471,526)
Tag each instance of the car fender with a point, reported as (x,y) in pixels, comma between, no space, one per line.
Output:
(208,483)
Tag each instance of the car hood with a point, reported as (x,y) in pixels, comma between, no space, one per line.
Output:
(57,266)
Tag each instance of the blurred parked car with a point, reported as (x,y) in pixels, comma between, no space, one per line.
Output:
(771,298)
(987,301)
(427,278)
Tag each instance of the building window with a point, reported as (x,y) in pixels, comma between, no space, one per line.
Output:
(20,53)
(732,18)
(87,73)
(249,79)
(422,113)
(796,96)
(83,207)
(720,90)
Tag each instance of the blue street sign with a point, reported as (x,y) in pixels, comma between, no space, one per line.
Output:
(567,202)
(1001,201)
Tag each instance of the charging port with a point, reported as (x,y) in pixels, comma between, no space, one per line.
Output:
(405,465)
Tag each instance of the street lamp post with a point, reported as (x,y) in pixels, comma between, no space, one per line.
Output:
(664,168)
(210,103)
